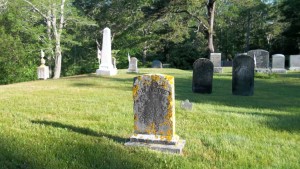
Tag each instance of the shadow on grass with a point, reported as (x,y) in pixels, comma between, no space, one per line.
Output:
(79,130)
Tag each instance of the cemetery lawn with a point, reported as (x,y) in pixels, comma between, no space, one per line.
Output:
(82,122)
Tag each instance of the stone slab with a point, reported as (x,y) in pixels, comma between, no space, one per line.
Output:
(175,149)
(218,70)
(279,71)
(43,72)
(110,72)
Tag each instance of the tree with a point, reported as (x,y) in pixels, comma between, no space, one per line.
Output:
(54,29)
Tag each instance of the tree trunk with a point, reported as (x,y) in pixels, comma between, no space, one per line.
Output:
(211,17)
(145,49)
(57,34)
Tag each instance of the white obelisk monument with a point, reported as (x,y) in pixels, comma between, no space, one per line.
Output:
(106,67)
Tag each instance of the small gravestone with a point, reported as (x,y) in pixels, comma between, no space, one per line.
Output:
(215,58)
(278,61)
(157,64)
(154,114)
(243,76)
(294,62)
(202,76)
(187,105)
(43,70)
(133,63)
(261,60)
(114,62)
(106,67)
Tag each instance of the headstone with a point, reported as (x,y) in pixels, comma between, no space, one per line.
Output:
(215,58)
(154,114)
(261,60)
(294,62)
(243,76)
(133,63)
(278,61)
(187,105)
(114,62)
(106,67)
(157,64)
(202,76)
(43,70)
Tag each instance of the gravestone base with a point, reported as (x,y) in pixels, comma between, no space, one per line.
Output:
(175,145)
(218,70)
(43,72)
(132,71)
(294,68)
(281,71)
(262,70)
(106,72)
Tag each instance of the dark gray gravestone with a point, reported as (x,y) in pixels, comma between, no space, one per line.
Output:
(294,62)
(202,76)
(278,61)
(243,76)
(157,64)
(261,60)
(154,114)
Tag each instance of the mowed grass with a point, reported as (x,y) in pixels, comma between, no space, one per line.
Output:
(84,121)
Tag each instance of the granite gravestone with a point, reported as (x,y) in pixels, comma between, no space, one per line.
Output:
(106,67)
(278,61)
(154,114)
(294,62)
(261,60)
(43,70)
(202,76)
(215,58)
(132,67)
(157,64)
(243,76)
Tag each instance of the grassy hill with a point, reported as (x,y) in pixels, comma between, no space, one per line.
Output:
(84,121)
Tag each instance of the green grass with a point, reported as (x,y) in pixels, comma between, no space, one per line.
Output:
(83,122)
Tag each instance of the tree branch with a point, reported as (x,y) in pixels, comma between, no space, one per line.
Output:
(36,9)
(193,16)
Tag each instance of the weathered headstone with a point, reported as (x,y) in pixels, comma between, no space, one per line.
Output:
(243,76)
(133,63)
(215,58)
(261,60)
(187,105)
(106,67)
(294,62)
(43,70)
(278,61)
(154,114)
(202,76)
(157,64)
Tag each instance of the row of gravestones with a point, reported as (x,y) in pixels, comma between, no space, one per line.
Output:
(242,76)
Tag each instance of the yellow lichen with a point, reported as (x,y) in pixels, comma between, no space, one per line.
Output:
(155,78)
(151,129)
(135,91)
(170,79)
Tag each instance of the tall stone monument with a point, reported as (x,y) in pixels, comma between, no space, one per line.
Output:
(215,58)
(278,61)
(106,68)
(203,70)
(261,60)
(294,62)
(43,70)
(154,114)
(243,76)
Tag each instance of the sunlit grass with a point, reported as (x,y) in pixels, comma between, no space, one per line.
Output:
(84,121)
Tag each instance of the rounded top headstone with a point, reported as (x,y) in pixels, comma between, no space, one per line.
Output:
(278,55)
